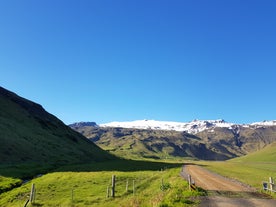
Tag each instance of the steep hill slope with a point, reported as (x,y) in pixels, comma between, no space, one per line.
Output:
(267,154)
(30,136)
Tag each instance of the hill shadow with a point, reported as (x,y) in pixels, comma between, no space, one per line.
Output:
(16,175)
(30,170)
(119,165)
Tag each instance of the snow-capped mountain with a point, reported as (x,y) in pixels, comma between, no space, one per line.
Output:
(192,127)
(264,123)
(205,139)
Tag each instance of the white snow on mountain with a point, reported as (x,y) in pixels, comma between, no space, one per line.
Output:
(265,123)
(192,127)
(262,124)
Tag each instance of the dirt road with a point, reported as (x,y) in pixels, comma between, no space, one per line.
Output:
(224,192)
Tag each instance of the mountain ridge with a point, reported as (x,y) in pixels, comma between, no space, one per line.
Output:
(192,127)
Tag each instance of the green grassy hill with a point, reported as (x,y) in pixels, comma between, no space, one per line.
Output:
(267,154)
(33,141)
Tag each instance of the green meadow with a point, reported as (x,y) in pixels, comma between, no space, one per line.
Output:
(155,184)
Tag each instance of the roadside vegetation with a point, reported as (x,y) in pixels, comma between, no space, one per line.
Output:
(252,169)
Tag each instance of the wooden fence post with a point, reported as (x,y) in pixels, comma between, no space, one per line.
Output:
(113,186)
(190,181)
(127,185)
(271,183)
(32,194)
(133,187)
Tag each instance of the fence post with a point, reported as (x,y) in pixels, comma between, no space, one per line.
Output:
(133,187)
(190,181)
(113,186)
(127,185)
(271,183)
(32,194)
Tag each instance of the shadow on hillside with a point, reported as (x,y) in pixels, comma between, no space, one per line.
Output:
(119,165)
(25,172)
(29,171)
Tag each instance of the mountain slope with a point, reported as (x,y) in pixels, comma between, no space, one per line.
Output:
(210,140)
(158,144)
(267,154)
(30,136)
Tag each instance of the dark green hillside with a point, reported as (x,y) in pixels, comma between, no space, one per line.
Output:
(32,140)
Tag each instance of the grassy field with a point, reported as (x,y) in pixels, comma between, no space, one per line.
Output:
(252,169)
(89,186)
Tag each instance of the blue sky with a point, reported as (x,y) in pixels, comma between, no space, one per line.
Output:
(171,60)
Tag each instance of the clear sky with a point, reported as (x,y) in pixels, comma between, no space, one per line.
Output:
(123,60)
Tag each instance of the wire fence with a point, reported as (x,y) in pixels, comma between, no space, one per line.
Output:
(115,186)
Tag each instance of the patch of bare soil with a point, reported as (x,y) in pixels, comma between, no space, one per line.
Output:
(224,192)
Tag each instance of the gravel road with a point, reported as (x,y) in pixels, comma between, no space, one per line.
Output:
(224,192)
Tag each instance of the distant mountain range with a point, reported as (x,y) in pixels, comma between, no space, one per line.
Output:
(199,139)
(192,127)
